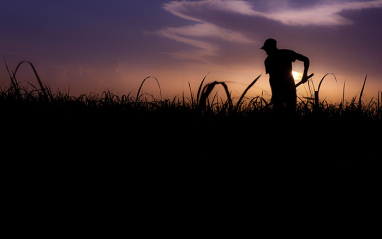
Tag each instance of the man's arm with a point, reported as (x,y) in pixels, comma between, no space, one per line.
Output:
(306,66)
(266,66)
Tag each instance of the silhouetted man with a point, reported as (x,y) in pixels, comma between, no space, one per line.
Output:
(279,67)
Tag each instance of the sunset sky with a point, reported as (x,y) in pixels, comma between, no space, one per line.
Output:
(93,45)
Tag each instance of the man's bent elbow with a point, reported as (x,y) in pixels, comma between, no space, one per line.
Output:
(306,61)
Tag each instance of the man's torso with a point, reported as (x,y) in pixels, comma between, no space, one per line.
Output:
(279,68)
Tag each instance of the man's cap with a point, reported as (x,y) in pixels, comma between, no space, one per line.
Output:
(269,43)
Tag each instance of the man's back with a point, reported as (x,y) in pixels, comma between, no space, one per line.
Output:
(279,63)
(279,67)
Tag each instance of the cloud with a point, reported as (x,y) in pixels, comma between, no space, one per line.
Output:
(187,35)
(200,34)
(320,14)
(327,14)
(185,9)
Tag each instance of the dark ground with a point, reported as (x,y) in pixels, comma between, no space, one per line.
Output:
(175,174)
(188,140)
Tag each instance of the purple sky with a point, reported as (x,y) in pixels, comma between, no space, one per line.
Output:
(93,45)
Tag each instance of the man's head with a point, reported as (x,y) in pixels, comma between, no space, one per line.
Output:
(269,45)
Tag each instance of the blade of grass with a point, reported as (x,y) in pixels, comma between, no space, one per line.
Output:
(192,95)
(207,91)
(200,87)
(246,90)
(13,80)
(360,96)
(343,93)
(36,74)
(316,93)
(319,86)
(140,88)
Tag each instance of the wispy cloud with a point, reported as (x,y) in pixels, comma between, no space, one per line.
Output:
(190,9)
(199,35)
(187,35)
(326,14)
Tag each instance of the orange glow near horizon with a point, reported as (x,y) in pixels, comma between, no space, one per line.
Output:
(297,75)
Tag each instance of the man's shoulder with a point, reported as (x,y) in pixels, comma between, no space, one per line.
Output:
(288,54)
(287,51)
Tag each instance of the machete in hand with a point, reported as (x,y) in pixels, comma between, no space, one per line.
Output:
(310,76)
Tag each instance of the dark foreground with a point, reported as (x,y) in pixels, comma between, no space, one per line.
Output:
(168,139)
(99,163)
(176,173)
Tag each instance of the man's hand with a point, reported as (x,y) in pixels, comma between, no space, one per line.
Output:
(304,78)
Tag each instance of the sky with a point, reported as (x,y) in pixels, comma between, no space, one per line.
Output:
(96,45)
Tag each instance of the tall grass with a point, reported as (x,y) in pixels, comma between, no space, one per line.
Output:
(308,107)
(15,84)
(207,89)
(140,87)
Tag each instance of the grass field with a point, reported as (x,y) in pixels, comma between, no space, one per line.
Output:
(201,125)
(144,147)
